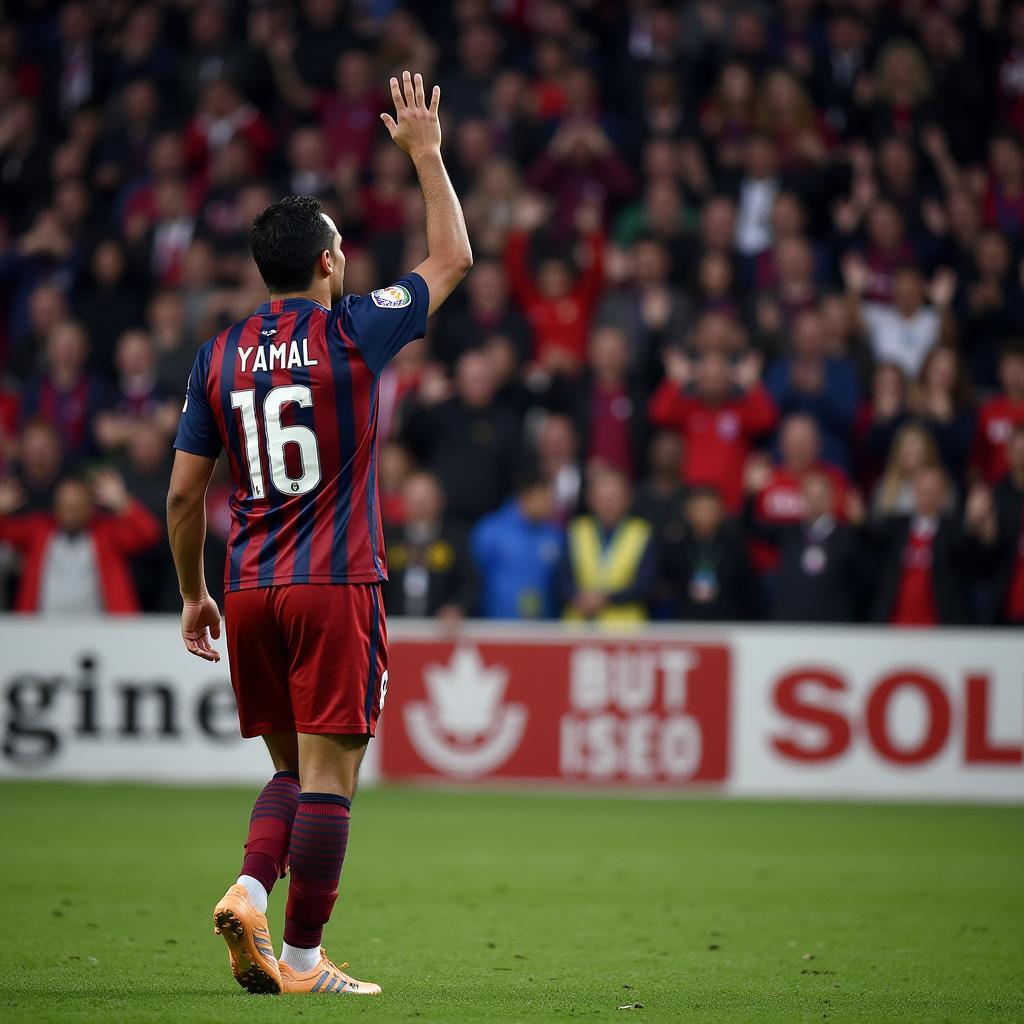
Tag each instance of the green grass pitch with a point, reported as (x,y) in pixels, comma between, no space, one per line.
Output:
(509,907)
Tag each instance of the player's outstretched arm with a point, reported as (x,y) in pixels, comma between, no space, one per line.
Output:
(186,530)
(418,131)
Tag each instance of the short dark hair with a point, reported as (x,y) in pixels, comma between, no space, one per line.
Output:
(286,241)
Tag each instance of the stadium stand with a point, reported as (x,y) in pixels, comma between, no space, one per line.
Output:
(759,265)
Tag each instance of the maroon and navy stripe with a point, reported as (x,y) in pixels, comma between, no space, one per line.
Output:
(347,440)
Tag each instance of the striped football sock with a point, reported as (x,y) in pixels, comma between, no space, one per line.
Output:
(270,834)
(319,838)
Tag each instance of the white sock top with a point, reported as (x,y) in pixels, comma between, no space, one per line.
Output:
(257,894)
(301,960)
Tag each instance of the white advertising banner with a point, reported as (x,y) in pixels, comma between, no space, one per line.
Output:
(879,713)
(763,711)
(119,698)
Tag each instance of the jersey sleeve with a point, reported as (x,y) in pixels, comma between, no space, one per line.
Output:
(386,320)
(197,428)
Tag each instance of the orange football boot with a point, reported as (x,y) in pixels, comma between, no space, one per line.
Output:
(250,952)
(325,978)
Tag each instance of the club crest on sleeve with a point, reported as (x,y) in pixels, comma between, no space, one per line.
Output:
(395,296)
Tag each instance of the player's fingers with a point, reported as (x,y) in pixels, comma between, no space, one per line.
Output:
(396,95)
(418,86)
(407,90)
(193,648)
(389,123)
(435,99)
(215,629)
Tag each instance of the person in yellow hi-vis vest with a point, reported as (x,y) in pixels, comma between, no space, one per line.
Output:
(610,557)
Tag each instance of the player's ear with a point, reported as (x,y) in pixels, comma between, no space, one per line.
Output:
(326,263)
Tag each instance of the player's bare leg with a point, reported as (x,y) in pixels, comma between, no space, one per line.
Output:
(328,767)
(240,915)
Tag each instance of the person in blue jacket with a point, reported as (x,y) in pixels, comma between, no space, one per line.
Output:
(517,552)
(823,386)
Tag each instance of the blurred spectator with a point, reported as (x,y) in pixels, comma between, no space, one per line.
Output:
(795,293)
(607,406)
(611,559)
(557,307)
(757,189)
(558,463)
(487,311)
(719,410)
(926,556)
(819,556)
(659,497)
(1003,204)
(819,385)
(460,435)
(999,415)
(707,565)
(146,468)
(905,332)
(39,465)
(990,304)
(66,395)
(175,348)
(651,310)
(778,492)
(110,304)
(164,245)
(137,394)
(76,558)
(896,99)
(429,569)
(580,168)
(517,553)
(913,449)
(886,410)
(942,402)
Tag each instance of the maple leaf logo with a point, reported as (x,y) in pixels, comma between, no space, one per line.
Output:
(466,694)
(465,728)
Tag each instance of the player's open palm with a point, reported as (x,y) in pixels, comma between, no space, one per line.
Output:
(417,129)
(200,620)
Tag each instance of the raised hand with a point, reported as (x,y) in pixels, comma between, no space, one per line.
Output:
(748,370)
(109,490)
(417,129)
(12,496)
(757,473)
(678,368)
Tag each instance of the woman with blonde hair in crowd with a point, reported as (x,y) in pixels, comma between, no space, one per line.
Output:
(941,399)
(913,450)
(897,96)
(786,115)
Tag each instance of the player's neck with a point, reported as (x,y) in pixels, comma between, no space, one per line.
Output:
(321,295)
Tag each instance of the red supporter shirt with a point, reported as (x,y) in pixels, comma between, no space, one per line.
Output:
(717,438)
(782,502)
(996,420)
(915,599)
(555,323)
(610,412)
(292,393)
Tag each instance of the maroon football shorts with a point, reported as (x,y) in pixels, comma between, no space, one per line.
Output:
(307,658)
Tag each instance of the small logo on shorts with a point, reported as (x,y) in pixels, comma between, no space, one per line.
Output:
(395,296)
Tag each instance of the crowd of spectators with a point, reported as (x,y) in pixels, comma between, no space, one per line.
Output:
(743,338)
